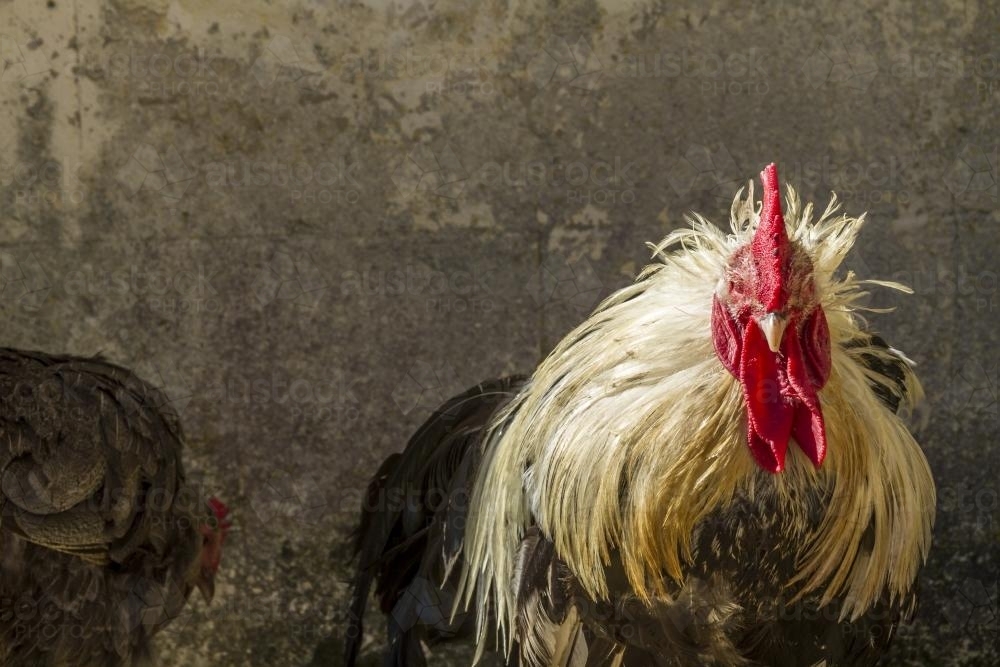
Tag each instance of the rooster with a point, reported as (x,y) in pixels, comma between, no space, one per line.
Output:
(101,539)
(710,470)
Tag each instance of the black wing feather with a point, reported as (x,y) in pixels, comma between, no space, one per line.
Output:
(412,525)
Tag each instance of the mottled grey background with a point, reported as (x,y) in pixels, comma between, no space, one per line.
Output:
(311,221)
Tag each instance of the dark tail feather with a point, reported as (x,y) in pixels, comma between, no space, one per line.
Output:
(355,622)
(402,519)
(404,650)
(364,546)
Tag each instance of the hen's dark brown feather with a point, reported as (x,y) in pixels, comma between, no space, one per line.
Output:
(100,540)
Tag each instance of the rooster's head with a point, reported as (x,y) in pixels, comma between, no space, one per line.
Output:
(770,332)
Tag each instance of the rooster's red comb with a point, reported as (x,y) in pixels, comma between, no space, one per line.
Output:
(770,246)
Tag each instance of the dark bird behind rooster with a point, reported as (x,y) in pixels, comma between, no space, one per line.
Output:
(712,469)
(101,538)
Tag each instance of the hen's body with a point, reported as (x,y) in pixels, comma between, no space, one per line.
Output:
(100,540)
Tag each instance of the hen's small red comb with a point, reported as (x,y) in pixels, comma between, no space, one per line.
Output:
(221,512)
(770,246)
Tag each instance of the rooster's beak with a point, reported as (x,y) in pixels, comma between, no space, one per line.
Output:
(773,325)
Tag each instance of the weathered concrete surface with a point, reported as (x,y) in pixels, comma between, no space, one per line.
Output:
(312,221)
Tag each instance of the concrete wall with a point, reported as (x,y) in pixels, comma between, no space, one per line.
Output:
(310,221)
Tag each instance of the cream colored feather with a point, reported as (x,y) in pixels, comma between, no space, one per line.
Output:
(637,393)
